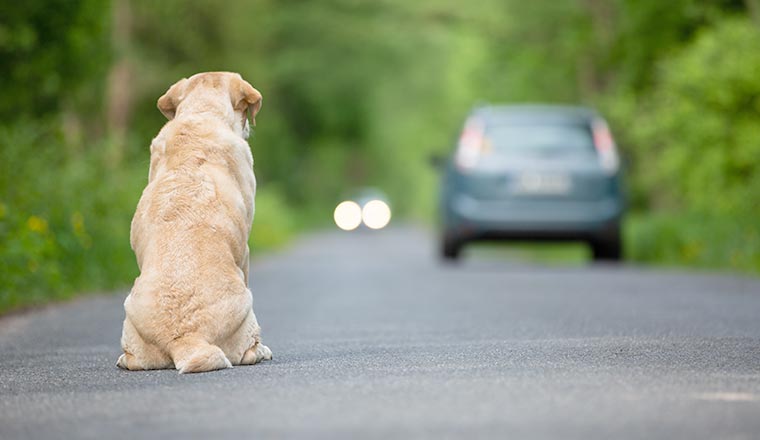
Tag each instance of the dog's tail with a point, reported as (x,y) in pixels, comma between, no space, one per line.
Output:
(193,354)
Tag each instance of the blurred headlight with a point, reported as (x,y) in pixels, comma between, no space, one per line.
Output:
(376,214)
(348,215)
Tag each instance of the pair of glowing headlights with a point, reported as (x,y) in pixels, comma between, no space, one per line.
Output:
(375,214)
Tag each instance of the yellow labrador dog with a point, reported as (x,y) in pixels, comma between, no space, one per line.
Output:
(190,308)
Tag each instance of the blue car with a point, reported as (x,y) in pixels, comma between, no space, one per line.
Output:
(522,172)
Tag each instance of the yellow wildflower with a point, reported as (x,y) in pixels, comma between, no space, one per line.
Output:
(77,222)
(37,224)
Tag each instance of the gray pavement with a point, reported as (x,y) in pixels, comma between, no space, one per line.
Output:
(372,338)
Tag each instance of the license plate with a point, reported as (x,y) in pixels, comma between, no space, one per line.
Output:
(542,183)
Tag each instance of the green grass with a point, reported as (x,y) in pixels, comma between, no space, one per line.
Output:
(694,240)
(64,217)
(551,254)
(274,222)
(64,223)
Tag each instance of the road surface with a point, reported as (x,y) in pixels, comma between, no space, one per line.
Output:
(372,338)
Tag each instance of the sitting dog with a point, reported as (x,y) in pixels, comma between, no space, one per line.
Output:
(191,308)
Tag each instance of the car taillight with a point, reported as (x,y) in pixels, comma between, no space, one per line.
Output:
(605,146)
(472,144)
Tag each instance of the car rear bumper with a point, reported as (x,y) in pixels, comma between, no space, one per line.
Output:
(532,219)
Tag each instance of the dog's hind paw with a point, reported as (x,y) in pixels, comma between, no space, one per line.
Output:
(122,362)
(256,354)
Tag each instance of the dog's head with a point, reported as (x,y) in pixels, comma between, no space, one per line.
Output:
(225,92)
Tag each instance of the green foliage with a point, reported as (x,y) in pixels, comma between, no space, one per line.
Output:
(700,240)
(53,53)
(698,153)
(275,222)
(700,125)
(64,223)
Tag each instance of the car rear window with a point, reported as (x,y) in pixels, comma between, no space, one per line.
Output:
(535,139)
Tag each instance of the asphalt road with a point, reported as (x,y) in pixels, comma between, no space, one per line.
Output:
(372,338)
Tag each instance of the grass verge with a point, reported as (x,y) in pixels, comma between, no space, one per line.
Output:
(64,222)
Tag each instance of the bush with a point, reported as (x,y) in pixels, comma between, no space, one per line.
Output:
(697,155)
(64,223)
(274,222)
(694,240)
(697,135)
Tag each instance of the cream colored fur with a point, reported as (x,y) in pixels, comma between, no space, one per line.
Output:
(191,308)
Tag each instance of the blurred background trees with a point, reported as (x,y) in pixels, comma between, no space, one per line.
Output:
(360,93)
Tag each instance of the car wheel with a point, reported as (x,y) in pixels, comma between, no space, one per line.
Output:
(608,247)
(451,247)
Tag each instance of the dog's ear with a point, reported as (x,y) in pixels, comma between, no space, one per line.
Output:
(245,97)
(170,100)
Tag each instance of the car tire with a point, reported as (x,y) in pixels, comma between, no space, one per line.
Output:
(608,247)
(451,248)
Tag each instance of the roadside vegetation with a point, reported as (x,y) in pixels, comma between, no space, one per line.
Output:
(362,93)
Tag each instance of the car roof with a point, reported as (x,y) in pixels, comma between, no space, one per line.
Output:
(529,113)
